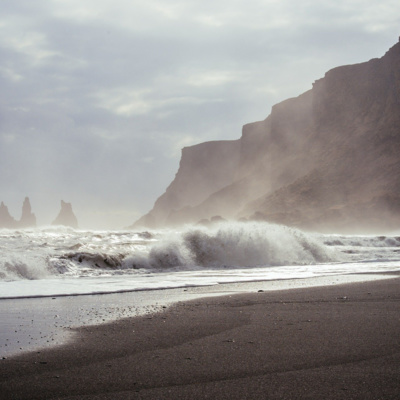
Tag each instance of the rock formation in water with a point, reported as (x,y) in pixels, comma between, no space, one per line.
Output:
(28,219)
(327,160)
(6,220)
(66,216)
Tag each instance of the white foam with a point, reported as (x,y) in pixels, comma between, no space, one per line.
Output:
(240,245)
(66,261)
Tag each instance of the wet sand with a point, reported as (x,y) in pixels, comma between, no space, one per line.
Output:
(332,342)
(28,324)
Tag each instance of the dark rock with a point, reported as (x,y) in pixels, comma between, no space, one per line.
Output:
(217,218)
(66,216)
(209,222)
(326,160)
(204,169)
(204,222)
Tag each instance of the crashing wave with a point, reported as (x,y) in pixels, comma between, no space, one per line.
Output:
(238,245)
(37,254)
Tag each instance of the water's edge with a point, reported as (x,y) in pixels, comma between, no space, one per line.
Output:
(32,324)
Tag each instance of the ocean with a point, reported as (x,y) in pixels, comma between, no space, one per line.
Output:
(59,261)
(51,278)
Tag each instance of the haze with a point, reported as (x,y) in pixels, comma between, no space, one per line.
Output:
(99,97)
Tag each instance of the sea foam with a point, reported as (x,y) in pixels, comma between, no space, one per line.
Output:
(237,245)
(34,254)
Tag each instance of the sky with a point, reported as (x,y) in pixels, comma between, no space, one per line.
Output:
(98,97)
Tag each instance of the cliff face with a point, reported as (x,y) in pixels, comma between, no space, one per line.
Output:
(354,183)
(204,169)
(326,160)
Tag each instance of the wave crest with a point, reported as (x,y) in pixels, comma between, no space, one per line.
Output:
(36,255)
(237,245)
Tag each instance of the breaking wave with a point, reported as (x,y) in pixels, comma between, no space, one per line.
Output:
(37,254)
(237,245)
(42,253)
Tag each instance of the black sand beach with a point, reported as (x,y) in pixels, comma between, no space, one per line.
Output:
(334,342)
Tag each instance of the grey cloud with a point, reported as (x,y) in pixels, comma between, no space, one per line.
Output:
(94,108)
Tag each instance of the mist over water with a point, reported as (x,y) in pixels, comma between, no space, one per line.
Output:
(194,255)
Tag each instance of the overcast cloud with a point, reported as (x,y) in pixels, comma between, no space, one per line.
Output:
(99,96)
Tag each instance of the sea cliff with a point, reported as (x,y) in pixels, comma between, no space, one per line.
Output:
(327,160)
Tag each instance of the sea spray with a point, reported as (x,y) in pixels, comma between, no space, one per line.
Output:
(59,261)
(37,254)
(239,244)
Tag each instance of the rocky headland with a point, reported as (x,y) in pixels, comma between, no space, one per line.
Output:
(327,160)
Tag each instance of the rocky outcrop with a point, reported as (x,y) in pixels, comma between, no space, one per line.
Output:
(327,160)
(66,216)
(28,219)
(203,170)
(6,220)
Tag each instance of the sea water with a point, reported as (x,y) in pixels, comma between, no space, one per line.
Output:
(56,261)
(44,271)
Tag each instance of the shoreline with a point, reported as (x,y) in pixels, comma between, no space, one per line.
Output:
(35,323)
(393,273)
(238,282)
(334,342)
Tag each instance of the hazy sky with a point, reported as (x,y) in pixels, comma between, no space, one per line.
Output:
(99,96)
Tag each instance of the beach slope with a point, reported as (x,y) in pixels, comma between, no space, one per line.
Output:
(336,342)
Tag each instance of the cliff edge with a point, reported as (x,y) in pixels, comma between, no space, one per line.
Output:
(326,160)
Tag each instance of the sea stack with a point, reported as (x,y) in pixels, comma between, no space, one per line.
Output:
(28,219)
(66,216)
(6,220)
